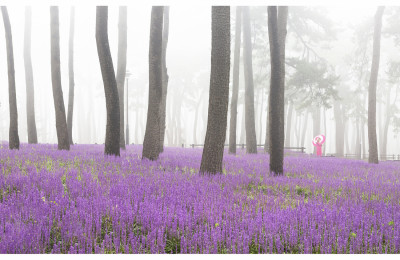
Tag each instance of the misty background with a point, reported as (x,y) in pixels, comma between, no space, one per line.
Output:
(342,46)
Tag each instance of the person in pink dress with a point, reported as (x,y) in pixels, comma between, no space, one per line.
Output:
(317,142)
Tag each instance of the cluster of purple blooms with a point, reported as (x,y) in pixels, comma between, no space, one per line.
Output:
(81,201)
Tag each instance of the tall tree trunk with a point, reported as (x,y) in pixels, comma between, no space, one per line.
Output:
(346,136)
(277,20)
(61,120)
(110,83)
(357,141)
(151,143)
(288,124)
(373,146)
(251,139)
(235,82)
(243,125)
(305,125)
(12,97)
(337,111)
(211,161)
(30,93)
(127,114)
(71,73)
(165,77)
(364,151)
(121,69)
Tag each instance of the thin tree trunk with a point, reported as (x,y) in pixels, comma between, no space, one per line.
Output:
(110,83)
(339,129)
(373,149)
(165,77)
(364,151)
(61,120)
(316,123)
(12,97)
(243,128)
(121,69)
(30,94)
(305,125)
(325,129)
(251,139)
(71,74)
(288,124)
(357,141)
(235,82)
(346,136)
(151,143)
(277,20)
(211,161)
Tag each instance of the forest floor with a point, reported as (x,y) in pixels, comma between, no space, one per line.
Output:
(80,201)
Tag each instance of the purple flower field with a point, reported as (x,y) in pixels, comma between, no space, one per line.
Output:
(83,202)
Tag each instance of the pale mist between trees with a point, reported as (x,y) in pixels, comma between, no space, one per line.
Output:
(263,79)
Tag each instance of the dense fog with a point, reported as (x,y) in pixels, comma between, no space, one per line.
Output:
(328,57)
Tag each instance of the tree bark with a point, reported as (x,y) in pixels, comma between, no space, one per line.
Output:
(373,146)
(61,120)
(277,36)
(251,139)
(211,161)
(235,82)
(12,97)
(288,124)
(121,69)
(110,83)
(71,73)
(30,93)
(151,143)
(165,77)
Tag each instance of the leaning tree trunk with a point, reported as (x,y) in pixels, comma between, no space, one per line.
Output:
(277,36)
(30,93)
(163,107)
(373,146)
(121,69)
(235,83)
(110,83)
(151,143)
(211,161)
(61,121)
(12,97)
(71,74)
(251,138)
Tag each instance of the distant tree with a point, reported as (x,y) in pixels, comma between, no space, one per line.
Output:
(163,106)
(30,94)
(277,20)
(251,140)
(235,82)
(110,83)
(71,73)
(13,133)
(372,140)
(211,161)
(61,121)
(151,143)
(121,69)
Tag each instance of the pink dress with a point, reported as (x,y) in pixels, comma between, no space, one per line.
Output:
(319,146)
